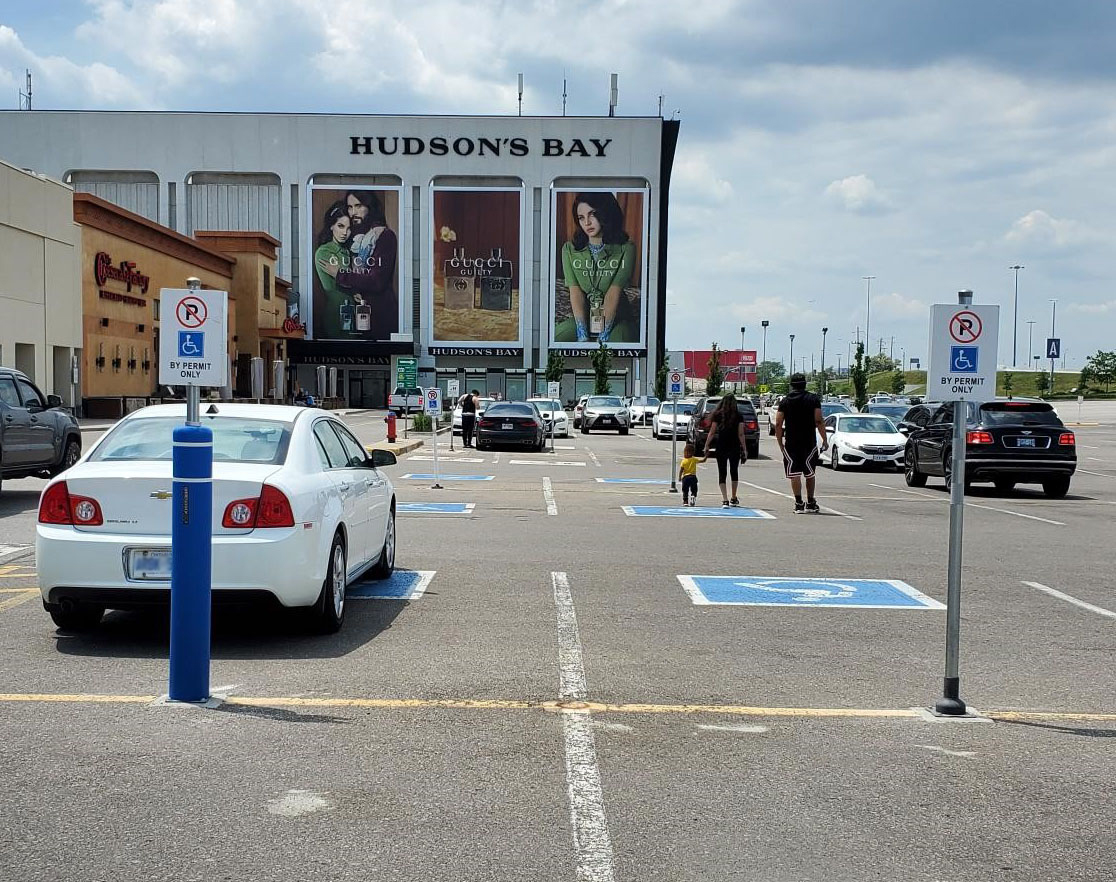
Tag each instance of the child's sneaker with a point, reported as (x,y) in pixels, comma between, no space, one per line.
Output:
(812,507)
(693,502)
(800,508)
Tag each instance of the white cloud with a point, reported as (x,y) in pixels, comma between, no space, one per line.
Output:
(858,194)
(1108,306)
(1039,230)
(775,309)
(698,179)
(895,305)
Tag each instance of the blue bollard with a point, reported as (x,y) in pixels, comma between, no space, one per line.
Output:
(191,563)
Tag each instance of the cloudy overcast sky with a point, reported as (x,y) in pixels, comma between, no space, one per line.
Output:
(931,145)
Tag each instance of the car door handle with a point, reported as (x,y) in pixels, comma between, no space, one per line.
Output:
(346,488)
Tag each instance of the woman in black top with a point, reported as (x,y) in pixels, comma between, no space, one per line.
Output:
(468,417)
(727,425)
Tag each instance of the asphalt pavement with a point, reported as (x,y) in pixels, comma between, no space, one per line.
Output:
(559,704)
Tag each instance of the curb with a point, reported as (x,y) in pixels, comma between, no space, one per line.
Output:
(398,448)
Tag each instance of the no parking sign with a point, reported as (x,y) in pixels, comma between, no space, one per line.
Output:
(433,401)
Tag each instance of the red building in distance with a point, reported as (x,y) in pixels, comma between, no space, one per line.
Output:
(732,360)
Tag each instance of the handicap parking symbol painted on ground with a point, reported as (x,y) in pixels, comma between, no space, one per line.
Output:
(632,481)
(664,511)
(437,507)
(805,592)
(402,585)
(423,476)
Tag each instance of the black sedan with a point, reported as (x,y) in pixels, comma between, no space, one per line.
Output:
(511,422)
(1008,442)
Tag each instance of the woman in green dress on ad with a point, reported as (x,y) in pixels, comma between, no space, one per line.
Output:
(335,314)
(597,264)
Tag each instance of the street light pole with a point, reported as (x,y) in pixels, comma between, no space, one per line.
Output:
(1015,319)
(764,324)
(868,316)
(740,360)
(1053,314)
(1030,345)
(792,354)
(823,379)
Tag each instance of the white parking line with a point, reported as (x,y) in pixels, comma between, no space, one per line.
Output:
(593,457)
(970,504)
(583,776)
(496,459)
(1054,592)
(789,496)
(544,462)
(1098,474)
(548,496)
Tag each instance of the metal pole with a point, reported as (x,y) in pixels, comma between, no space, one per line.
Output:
(868,315)
(823,379)
(193,393)
(764,324)
(1053,314)
(740,360)
(674,448)
(434,440)
(1015,318)
(792,354)
(1030,345)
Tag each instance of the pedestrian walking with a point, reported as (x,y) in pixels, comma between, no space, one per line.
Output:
(468,417)
(798,424)
(727,427)
(687,472)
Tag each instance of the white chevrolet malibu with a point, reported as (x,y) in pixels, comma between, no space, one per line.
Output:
(300,509)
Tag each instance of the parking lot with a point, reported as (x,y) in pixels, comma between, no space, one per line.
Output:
(542,696)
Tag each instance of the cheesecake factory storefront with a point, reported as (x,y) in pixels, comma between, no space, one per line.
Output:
(477,245)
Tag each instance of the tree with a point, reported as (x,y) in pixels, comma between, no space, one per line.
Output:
(716,377)
(859,376)
(1101,368)
(661,379)
(898,382)
(555,367)
(1042,383)
(880,364)
(1009,382)
(770,371)
(602,361)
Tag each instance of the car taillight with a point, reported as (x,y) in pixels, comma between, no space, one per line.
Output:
(240,514)
(59,507)
(751,425)
(979,438)
(1066,439)
(274,509)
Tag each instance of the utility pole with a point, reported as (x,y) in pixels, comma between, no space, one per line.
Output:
(792,354)
(868,315)
(823,382)
(1030,345)
(1015,318)
(1053,314)
(740,361)
(764,324)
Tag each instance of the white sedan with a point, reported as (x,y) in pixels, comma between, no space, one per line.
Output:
(666,422)
(300,510)
(642,409)
(552,409)
(863,439)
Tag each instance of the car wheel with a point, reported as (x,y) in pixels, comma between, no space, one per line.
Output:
(1004,485)
(623,431)
(913,476)
(947,470)
(70,455)
(833,463)
(1056,488)
(78,617)
(329,611)
(584,429)
(385,566)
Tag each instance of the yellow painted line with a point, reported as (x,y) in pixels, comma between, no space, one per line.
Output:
(567,706)
(17,599)
(18,590)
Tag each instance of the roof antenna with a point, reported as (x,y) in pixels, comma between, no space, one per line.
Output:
(25,97)
(563,95)
(612,95)
(521,94)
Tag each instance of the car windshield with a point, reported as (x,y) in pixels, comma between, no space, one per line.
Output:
(830,408)
(235,439)
(546,404)
(859,425)
(683,408)
(651,402)
(603,401)
(506,408)
(889,410)
(1018,414)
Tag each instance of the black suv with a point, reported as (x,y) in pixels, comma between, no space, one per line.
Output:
(699,424)
(38,436)
(1008,442)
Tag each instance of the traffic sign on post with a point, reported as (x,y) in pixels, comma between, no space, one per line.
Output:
(406,373)
(553,389)
(1053,347)
(963,351)
(453,390)
(193,340)
(433,401)
(676,381)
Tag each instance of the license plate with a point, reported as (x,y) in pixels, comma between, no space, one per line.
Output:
(506,426)
(879,457)
(149,564)
(1025,442)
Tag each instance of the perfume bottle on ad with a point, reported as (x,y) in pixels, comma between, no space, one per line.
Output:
(347,316)
(363,318)
(596,315)
(496,285)
(460,281)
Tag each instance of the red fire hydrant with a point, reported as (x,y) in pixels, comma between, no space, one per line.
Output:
(390,420)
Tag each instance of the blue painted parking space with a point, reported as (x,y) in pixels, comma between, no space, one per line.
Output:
(805,592)
(403,585)
(436,507)
(632,481)
(424,476)
(666,511)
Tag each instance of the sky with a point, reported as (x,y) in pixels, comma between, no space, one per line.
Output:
(930,145)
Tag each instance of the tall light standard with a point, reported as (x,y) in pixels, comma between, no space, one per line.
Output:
(764,325)
(868,317)
(823,383)
(792,354)
(1015,319)
(1053,314)
(1030,345)
(740,360)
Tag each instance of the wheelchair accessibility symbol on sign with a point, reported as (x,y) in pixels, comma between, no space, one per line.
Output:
(191,344)
(963,359)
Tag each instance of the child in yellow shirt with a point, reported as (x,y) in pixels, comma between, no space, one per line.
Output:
(687,472)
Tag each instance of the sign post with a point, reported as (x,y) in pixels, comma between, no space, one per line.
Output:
(963,355)
(1053,352)
(554,393)
(433,400)
(193,351)
(406,375)
(453,392)
(676,381)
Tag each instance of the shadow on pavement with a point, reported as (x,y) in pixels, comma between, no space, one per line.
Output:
(278,714)
(1084,731)
(18,501)
(238,633)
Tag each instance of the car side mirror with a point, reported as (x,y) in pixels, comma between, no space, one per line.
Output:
(382,458)
(54,401)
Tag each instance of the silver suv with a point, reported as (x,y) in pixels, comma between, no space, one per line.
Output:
(39,438)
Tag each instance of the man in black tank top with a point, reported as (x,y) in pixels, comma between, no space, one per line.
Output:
(797,426)
(468,417)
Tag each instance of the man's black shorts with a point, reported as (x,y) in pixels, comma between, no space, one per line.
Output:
(800,462)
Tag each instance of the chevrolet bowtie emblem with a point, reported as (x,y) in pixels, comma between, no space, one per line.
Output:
(162,494)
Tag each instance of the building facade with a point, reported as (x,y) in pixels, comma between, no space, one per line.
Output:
(40,298)
(478,245)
